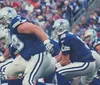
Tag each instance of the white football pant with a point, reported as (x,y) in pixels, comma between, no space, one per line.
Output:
(40,65)
(86,70)
(17,66)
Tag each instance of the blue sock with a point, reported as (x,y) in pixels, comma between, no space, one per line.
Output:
(39,83)
(12,82)
(62,81)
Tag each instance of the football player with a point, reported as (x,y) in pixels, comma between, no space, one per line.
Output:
(92,40)
(4,51)
(29,43)
(56,78)
(5,58)
(77,59)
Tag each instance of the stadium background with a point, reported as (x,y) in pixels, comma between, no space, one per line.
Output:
(82,14)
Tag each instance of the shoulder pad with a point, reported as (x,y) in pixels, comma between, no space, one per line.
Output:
(17,21)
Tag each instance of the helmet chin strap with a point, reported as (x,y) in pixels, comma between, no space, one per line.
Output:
(62,32)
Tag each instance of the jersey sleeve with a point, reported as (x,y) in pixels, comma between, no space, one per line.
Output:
(17,21)
(56,48)
(13,51)
(65,46)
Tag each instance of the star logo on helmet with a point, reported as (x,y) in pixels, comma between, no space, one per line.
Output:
(61,23)
(9,11)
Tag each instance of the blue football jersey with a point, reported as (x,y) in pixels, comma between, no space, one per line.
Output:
(95,43)
(56,47)
(76,47)
(24,44)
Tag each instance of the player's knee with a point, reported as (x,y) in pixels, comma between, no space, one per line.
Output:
(9,72)
(9,75)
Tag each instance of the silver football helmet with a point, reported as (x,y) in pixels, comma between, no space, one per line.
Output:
(90,33)
(4,37)
(7,14)
(60,26)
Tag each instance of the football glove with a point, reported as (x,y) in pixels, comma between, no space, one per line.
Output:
(49,46)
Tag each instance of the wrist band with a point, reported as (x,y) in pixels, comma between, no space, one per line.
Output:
(58,65)
(46,41)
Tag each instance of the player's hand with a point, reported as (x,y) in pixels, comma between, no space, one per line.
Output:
(49,46)
(2,59)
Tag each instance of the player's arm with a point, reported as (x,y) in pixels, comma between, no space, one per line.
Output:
(96,45)
(5,55)
(65,60)
(98,48)
(58,57)
(30,28)
(64,54)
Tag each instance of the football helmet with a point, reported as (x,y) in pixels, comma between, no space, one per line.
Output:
(90,33)
(7,14)
(60,26)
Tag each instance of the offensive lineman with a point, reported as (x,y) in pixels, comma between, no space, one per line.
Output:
(28,40)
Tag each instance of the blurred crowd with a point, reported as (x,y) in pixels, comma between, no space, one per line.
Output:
(45,12)
(92,22)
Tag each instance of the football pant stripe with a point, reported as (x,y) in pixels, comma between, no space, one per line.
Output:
(73,69)
(2,68)
(35,69)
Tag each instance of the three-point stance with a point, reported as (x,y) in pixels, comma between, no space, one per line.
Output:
(77,58)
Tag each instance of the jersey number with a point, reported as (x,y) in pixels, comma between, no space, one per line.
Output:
(16,43)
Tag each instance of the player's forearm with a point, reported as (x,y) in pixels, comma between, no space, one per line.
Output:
(41,34)
(58,57)
(64,61)
(98,49)
(6,53)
